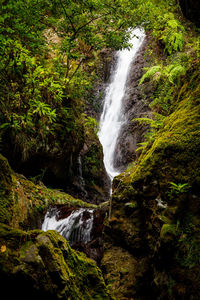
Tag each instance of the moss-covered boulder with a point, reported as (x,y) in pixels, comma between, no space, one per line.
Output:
(32,201)
(121,271)
(6,195)
(38,265)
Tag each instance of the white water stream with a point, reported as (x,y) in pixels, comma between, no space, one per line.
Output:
(112,119)
(77,227)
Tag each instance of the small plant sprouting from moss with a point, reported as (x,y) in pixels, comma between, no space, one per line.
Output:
(179,188)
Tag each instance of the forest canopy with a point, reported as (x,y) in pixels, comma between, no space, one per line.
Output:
(49,52)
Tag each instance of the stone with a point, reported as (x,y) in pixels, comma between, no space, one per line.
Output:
(38,265)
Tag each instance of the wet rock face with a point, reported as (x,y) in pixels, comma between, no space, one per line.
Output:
(134,106)
(190,9)
(94,103)
(96,183)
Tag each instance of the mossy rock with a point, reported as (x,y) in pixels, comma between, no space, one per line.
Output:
(119,271)
(32,201)
(6,194)
(42,265)
(171,156)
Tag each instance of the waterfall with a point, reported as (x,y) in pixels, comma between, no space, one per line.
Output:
(112,119)
(75,228)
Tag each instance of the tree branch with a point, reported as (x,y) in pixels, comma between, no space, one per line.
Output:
(68,17)
(87,23)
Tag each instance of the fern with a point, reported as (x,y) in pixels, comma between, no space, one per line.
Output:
(176,72)
(143,120)
(171,72)
(141,146)
(155,125)
(150,72)
(172,23)
(172,36)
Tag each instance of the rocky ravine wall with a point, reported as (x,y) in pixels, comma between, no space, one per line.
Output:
(153,233)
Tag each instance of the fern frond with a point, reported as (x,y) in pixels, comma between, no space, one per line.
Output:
(150,73)
(143,120)
(142,146)
(176,72)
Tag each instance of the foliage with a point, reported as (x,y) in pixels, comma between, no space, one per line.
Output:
(152,72)
(155,125)
(179,187)
(47,54)
(171,72)
(173,34)
(161,19)
(29,94)
(167,231)
(91,123)
(24,21)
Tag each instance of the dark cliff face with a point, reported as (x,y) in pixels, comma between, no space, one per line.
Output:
(191,10)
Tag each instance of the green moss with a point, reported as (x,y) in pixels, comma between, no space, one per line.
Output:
(131,204)
(169,169)
(22,203)
(47,262)
(168,231)
(6,194)
(120,271)
(31,201)
(177,145)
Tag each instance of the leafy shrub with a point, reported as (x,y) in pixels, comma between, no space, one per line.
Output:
(173,34)
(158,73)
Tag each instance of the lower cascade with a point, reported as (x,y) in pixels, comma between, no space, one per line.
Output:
(76,228)
(81,227)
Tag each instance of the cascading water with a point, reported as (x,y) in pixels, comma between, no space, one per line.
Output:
(77,227)
(112,119)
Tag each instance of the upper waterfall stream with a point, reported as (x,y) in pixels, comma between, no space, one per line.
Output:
(112,118)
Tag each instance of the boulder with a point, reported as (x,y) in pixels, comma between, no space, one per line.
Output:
(38,265)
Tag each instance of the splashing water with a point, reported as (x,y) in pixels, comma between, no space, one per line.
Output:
(112,119)
(77,227)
